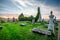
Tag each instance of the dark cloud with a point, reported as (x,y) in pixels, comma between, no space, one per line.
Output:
(55,3)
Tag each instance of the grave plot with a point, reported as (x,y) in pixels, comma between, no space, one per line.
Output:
(45,32)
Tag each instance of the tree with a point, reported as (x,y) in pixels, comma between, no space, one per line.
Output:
(30,18)
(21,17)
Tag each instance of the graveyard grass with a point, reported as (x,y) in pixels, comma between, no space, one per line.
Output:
(13,31)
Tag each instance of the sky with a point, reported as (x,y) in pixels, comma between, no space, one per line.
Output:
(29,7)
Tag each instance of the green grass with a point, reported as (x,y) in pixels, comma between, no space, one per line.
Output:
(13,31)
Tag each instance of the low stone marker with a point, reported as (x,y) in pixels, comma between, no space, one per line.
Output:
(45,32)
(22,24)
(33,21)
(1,27)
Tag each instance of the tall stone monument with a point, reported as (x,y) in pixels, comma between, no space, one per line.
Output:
(51,24)
(38,16)
(39,19)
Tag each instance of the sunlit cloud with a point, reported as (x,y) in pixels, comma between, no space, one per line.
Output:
(16,5)
(23,2)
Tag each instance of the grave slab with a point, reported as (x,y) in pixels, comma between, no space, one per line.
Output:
(45,32)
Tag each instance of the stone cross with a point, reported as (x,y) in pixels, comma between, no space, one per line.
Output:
(51,24)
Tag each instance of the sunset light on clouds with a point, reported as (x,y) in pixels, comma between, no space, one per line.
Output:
(29,7)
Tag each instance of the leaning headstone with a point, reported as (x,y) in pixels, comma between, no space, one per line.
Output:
(22,24)
(45,32)
(51,24)
(1,27)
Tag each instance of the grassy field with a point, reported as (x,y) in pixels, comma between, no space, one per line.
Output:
(13,31)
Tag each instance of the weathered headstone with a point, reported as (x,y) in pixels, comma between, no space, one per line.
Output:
(43,20)
(8,19)
(45,32)
(33,21)
(51,24)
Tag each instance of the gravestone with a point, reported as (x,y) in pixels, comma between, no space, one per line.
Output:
(8,19)
(1,27)
(51,24)
(33,21)
(43,20)
(45,32)
(13,19)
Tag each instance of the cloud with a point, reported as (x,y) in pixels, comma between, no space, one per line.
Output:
(4,6)
(55,3)
(29,12)
(29,7)
(4,9)
(23,3)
